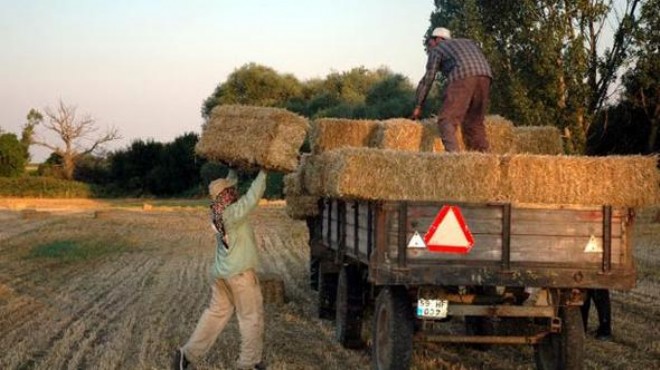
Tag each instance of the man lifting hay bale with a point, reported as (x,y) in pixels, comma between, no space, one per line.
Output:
(247,137)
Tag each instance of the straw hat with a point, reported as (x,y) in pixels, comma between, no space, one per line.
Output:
(218,185)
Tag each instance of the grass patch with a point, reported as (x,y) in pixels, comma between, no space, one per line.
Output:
(72,251)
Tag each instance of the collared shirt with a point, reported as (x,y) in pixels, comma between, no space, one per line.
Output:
(456,59)
(236,249)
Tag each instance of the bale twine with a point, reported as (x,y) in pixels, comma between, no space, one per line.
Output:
(333,133)
(247,136)
(538,140)
(299,207)
(272,289)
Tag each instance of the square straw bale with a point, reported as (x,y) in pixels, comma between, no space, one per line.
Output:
(374,174)
(299,207)
(538,140)
(314,171)
(293,184)
(333,133)
(632,181)
(247,136)
(294,181)
(407,135)
(499,132)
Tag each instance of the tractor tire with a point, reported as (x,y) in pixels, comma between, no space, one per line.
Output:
(348,323)
(564,350)
(392,330)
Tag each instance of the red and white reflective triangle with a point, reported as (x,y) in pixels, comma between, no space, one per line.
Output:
(449,232)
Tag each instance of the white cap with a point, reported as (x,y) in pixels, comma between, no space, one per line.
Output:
(441,32)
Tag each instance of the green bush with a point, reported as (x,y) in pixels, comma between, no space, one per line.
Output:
(12,156)
(43,187)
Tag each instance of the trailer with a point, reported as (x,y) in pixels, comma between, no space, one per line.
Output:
(513,273)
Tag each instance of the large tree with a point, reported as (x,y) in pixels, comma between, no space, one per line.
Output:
(254,84)
(642,82)
(631,125)
(553,60)
(77,136)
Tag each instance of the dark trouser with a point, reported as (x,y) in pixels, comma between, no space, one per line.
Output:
(601,299)
(464,103)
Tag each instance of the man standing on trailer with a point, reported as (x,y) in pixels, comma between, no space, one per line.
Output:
(466,96)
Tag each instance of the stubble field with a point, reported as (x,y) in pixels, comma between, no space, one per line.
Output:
(84,285)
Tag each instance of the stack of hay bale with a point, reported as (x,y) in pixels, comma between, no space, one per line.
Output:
(399,159)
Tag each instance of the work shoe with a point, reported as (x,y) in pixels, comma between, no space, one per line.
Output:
(179,360)
(604,334)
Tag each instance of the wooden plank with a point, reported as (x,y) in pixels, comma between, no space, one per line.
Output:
(568,228)
(468,211)
(486,248)
(560,249)
(562,215)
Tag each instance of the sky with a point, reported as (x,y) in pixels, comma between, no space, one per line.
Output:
(146,66)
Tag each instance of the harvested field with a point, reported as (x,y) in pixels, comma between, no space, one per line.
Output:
(123,290)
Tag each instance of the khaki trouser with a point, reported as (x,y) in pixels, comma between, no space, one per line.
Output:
(243,294)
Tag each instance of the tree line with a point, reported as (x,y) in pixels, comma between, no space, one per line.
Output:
(548,70)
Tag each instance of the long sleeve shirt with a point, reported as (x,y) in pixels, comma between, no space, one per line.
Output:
(456,59)
(240,252)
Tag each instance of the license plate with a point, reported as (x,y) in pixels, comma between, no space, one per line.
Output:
(432,308)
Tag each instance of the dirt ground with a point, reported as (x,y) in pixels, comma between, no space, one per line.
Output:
(93,286)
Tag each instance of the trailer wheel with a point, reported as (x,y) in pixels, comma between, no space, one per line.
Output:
(348,324)
(393,330)
(564,350)
(327,290)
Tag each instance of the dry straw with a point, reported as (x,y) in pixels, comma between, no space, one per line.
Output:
(374,174)
(616,180)
(395,175)
(499,131)
(247,136)
(333,133)
(407,135)
(538,140)
(300,207)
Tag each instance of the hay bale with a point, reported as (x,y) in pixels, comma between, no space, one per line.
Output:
(272,289)
(374,174)
(247,136)
(314,172)
(293,184)
(294,181)
(299,207)
(407,135)
(499,132)
(538,140)
(615,180)
(333,133)
(33,214)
